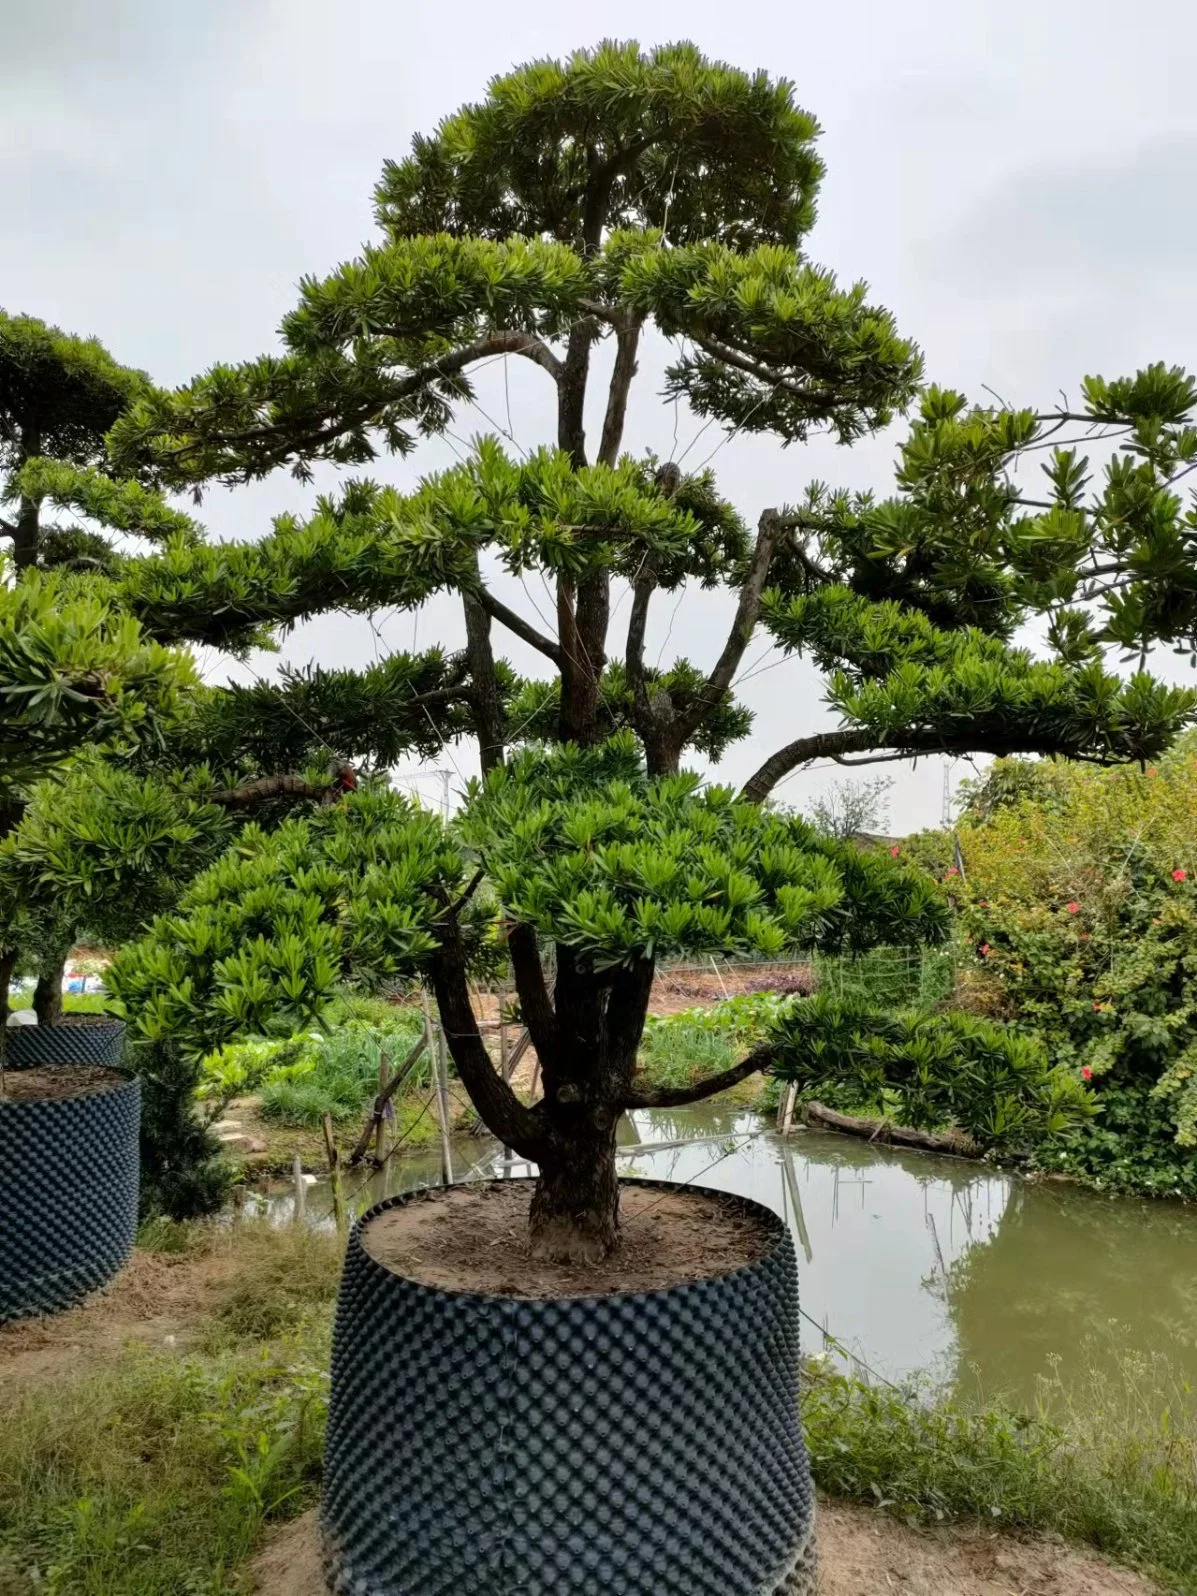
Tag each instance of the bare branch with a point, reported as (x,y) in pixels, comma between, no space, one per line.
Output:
(627,343)
(514,622)
(676,1097)
(771,529)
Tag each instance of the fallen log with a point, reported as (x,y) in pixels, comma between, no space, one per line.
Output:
(953,1142)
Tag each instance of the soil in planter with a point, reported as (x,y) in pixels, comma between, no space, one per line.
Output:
(476,1239)
(55,1080)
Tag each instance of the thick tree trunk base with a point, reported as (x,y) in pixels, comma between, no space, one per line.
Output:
(953,1142)
(574,1216)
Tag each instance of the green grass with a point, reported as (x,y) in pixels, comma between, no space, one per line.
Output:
(1113,1467)
(156,1476)
(681,1049)
(337,1073)
(84,1003)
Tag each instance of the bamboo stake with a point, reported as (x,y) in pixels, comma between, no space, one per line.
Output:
(301,1191)
(383,1098)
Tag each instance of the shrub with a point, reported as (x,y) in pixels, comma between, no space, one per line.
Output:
(1080,912)
(932,1068)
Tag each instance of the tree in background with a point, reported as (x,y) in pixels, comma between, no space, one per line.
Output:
(75,674)
(852,808)
(59,395)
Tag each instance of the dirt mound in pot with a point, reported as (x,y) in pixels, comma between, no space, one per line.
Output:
(475,1238)
(55,1080)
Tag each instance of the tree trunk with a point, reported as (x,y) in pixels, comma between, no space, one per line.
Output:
(484,685)
(24,543)
(575,1208)
(8,964)
(47,994)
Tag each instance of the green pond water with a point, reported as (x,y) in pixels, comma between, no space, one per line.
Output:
(917,1265)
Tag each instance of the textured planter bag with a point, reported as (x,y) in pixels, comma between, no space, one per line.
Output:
(68,1196)
(94,1042)
(645,1444)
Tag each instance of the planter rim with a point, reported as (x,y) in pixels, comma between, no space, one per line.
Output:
(776,1228)
(103,1089)
(78,1019)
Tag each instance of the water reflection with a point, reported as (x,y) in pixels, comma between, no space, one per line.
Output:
(915,1264)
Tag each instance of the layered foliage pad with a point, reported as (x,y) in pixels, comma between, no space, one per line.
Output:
(621,185)
(59,395)
(75,670)
(578,844)
(908,603)
(928,1069)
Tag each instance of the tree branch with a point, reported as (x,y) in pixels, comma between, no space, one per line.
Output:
(256,792)
(535,1004)
(771,529)
(514,622)
(820,398)
(677,1097)
(501,1110)
(643,589)
(627,343)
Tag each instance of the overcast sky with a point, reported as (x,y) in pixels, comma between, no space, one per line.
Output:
(1015,181)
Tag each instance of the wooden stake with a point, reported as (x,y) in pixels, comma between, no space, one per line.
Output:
(787,1117)
(383,1098)
(301,1191)
(382,1143)
(436,1052)
(334,1171)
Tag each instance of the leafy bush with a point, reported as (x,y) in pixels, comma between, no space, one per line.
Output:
(934,1068)
(301,1078)
(1080,910)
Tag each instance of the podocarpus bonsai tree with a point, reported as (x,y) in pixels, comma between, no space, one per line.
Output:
(579,205)
(59,395)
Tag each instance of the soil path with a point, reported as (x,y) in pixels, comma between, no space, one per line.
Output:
(862,1553)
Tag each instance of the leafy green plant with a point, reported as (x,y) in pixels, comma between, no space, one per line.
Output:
(1080,912)
(929,1069)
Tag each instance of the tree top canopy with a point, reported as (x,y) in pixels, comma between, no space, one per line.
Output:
(614,137)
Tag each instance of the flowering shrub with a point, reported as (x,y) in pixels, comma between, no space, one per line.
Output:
(1080,908)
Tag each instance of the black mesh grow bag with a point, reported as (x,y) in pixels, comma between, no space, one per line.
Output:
(68,1195)
(84,1041)
(645,1444)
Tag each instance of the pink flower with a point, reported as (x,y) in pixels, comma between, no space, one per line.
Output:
(1073,907)
(985,950)
(1099,1007)
(1082,936)
(1151,770)
(951,871)
(894,851)
(1086,1073)
(1180,875)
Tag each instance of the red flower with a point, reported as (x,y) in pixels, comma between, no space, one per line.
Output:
(894,851)
(1151,770)
(1098,1007)
(985,950)
(1082,936)
(1086,1073)
(1073,907)
(1180,875)
(982,903)
(952,871)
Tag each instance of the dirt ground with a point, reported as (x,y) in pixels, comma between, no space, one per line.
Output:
(157,1300)
(862,1553)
